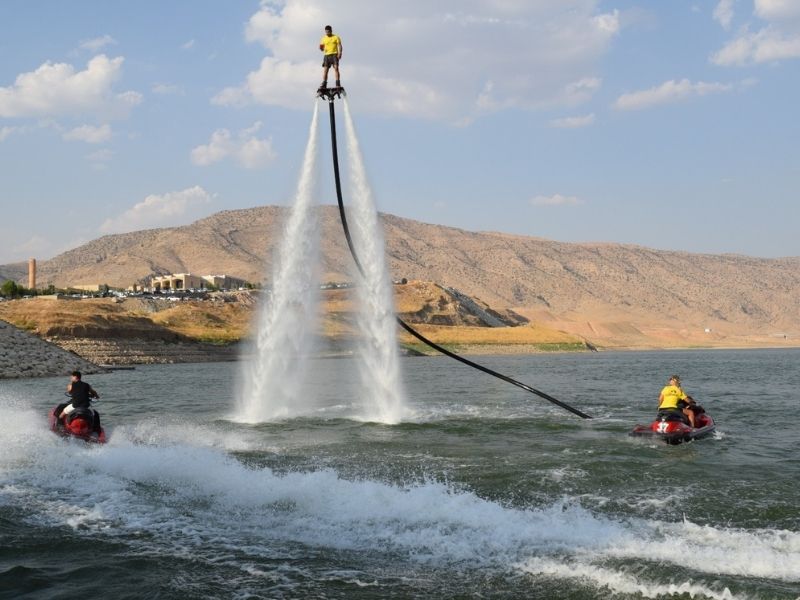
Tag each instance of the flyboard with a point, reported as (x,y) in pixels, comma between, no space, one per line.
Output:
(330,95)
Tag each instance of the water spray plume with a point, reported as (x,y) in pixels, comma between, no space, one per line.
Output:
(272,379)
(383,398)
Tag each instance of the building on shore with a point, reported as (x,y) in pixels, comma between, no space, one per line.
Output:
(89,287)
(188,281)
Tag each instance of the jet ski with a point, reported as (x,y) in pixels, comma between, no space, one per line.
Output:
(671,427)
(80,423)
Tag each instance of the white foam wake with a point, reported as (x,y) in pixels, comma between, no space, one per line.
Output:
(187,497)
(621,582)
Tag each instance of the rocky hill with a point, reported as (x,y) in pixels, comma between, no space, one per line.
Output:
(624,293)
(15,271)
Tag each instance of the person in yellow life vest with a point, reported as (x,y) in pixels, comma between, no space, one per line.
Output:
(331,45)
(673,400)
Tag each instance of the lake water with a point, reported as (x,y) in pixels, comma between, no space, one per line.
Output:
(487,491)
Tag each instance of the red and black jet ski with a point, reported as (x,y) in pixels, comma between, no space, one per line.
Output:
(673,429)
(82,423)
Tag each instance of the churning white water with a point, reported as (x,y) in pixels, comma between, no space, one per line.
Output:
(272,380)
(383,398)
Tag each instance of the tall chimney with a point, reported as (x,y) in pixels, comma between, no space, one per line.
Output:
(32,274)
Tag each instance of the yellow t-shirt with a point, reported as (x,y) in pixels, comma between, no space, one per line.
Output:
(671,394)
(332,44)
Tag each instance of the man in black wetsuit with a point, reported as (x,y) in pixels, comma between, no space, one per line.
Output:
(82,394)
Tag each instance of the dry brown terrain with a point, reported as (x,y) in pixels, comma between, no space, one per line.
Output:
(613,295)
(136,330)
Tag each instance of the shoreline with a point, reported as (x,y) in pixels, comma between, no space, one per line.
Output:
(232,353)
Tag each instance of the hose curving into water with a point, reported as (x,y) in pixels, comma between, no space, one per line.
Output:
(403,324)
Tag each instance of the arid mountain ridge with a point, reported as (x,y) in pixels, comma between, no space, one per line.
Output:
(592,289)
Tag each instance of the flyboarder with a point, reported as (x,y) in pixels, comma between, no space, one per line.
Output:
(331,45)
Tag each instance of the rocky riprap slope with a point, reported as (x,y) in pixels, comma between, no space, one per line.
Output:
(117,352)
(25,355)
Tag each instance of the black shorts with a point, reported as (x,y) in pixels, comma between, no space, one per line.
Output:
(330,60)
(672,414)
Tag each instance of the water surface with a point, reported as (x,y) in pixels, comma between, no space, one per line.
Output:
(487,491)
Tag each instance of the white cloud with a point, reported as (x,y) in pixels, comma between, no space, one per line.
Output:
(188,45)
(723,13)
(57,89)
(777,10)
(767,45)
(249,151)
(158,211)
(555,200)
(89,134)
(573,122)
(96,44)
(667,92)
(778,40)
(450,60)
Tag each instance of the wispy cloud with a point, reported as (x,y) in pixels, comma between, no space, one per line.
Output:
(7,131)
(155,210)
(167,89)
(102,155)
(97,43)
(668,92)
(555,200)
(41,247)
(573,122)
(723,13)
(34,246)
(99,159)
(245,148)
(89,134)
(188,45)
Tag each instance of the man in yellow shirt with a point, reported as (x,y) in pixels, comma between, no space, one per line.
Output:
(331,45)
(673,400)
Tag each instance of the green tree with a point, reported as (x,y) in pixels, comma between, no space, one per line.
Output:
(10,289)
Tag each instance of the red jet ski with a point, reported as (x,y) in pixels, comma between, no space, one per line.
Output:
(80,423)
(673,429)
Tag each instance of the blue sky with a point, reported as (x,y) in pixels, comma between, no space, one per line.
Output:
(671,125)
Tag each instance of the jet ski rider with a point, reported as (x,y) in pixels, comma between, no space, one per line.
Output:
(81,394)
(673,401)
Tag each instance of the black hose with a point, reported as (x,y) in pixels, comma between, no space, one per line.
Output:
(402,323)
